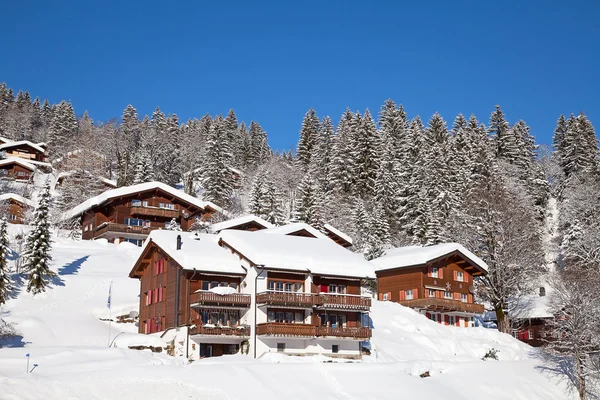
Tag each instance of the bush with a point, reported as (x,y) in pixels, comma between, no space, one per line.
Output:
(491,354)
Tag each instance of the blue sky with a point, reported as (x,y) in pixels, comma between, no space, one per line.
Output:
(272,61)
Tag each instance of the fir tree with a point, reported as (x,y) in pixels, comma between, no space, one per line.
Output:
(38,246)
(308,138)
(5,282)
(342,169)
(365,153)
(309,202)
(217,181)
(499,129)
(62,128)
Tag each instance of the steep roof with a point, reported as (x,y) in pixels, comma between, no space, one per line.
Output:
(133,189)
(411,256)
(296,227)
(201,252)
(20,143)
(338,233)
(296,253)
(232,223)
(16,197)
(20,161)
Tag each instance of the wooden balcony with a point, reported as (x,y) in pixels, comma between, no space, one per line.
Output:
(287,299)
(343,301)
(210,299)
(283,329)
(241,331)
(352,333)
(122,228)
(437,304)
(154,212)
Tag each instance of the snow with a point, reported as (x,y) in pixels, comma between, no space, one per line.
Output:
(338,233)
(223,290)
(410,256)
(296,227)
(64,337)
(128,190)
(218,227)
(198,251)
(124,340)
(324,257)
(20,143)
(16,197)
(20,161)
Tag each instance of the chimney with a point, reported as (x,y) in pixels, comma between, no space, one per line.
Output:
(542,291)
(178,242)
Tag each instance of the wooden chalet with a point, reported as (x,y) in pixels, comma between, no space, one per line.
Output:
(15,207)
(530,323)
(246,223)
(16,169)
(337,236)
(130,213)
(77,177)
(24,149)
(435,280)
(81,159)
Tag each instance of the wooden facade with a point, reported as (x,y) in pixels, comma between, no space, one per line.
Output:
(15,211)
(24,150)
(16,171)
(441,289)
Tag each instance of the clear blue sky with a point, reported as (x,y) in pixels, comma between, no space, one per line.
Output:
(273,61)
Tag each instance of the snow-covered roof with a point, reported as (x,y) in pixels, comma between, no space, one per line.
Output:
(338,233)
(417,255)
(5,139)
(20,143)
(20,161)
(533,306)
(109,182)
(201,252)
(129,190)
(296,227)
(72,153)
(16,197)
(102,179)
(297,253)
(218,227)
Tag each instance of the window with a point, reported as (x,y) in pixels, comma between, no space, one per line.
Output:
(289,287)
(409,295)
(148,298)
(285,286)
(280,316)
(434,272)
(205,285)
(136,203)
(233,285)
(464,298)
(271,285)
(3,172)
(385,296)
(134,222)
(299,317)
(448,295)
(335,348)
(530,334)
(459,276)
(214,284)
(431,293)
(20,173)
(84,229)
(168,206)
(299,287)
(515,334)
(432,317)
(280,347)
(289,317)
(271,316)
(137,242)
(332,289)
(279,286)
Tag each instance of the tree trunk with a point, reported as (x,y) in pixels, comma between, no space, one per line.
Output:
(502,320)
(580,376)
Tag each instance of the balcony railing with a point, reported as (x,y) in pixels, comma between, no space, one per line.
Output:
(283,329)
(112,227)
(343,301)
(354,333)
(155,212)
(437,304)
(206,299)
(239,331)
(288,299)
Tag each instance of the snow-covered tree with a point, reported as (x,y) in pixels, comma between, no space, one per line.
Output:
(38,246)
(173,225)
(308,138)
(217,178)
(5,281)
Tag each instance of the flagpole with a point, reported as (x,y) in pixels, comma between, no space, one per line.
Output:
(109,311)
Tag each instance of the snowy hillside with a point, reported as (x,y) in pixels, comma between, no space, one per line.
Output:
(62,331)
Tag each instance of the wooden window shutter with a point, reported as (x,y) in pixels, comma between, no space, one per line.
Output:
(415,293)
(324,289)
(447,319)
(440,273)
(429,271)
(402,294)
(455,275)
(428,315)
(380,296)
(456,296)
(466,276)
(389,296)
(470,298)
(439,318)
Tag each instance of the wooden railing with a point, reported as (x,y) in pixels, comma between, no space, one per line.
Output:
(333,300)
(112,227)
(289,299)
(282,329)
(155,212)
(205,298)
(354,333)
(437,304)
(241,331)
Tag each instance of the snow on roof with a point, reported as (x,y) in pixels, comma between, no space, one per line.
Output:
(128,190)
(71,153)
(201,251)
(338,233)
(5,139)
(20,161)
(296,227)
(533,306)
(22,142)
(110,182)
(65,174)
(16,197)
(218,227)
(296,253)
(416,255)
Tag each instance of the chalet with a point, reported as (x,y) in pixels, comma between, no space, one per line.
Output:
(76,177)
(246,223)
(306,293)
(24,149)
(130,213)
(253,293)
(16,169)
(337,236)
(530,323)
(297,229)
(80,159)
(435,280)
(4,140)
(15,207)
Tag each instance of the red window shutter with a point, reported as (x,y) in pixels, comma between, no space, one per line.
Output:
(466,276)
(455,273)
(380,296)
(160,294)
(441,273)
(148,326)
(439,317)
(324,289)
(402,294)
(428,315)
(429,271)
(389,296)
(155,295)
(526,335)
(447,319)
(470,298)
(415,293)
(521,335)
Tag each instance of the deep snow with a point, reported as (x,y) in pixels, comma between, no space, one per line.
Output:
(63,332)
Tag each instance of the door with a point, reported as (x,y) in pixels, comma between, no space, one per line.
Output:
(209,350)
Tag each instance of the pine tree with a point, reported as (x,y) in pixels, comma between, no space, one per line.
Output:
(499,129)
(217,180)
(308,138)
(309,202)
(62,128)
(265,199)
(365,153)
(5,282)
(38,246)
(341,169)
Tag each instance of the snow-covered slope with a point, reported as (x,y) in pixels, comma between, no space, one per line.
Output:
(64,335)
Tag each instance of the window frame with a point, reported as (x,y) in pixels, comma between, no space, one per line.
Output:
(435,272)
